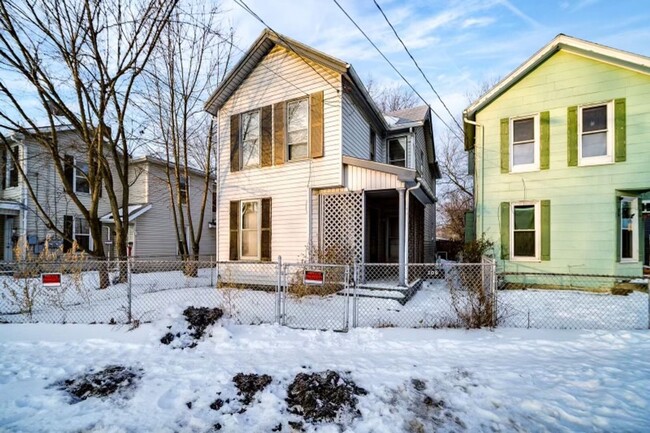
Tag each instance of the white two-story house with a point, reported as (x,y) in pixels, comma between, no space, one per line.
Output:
(309,169)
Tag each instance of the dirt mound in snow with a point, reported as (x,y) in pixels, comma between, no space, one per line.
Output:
(323,396)
(250,384)
(198,319)
(112,379)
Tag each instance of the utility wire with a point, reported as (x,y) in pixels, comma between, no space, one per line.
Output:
(417,65)
(247,8)
(396,70)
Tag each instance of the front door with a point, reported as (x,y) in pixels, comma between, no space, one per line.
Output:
(8,239)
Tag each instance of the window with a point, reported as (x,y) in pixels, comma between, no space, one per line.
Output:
(250,139)
(250,229)
(421,161)
(524,144)
(214,201)
(10,169)
(595,134)
(525,231)
(82,234)
(397,151)
(182,190)
(629,222)
(373,145)
(76,172)
(298,129)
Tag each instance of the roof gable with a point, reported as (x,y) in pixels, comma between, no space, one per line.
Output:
(569,44)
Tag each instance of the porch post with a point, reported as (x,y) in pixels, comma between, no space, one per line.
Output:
(402,231)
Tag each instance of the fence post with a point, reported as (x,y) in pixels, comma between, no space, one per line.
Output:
(128,292)
(211,273)
(278,292)
(495,300)
(355,305)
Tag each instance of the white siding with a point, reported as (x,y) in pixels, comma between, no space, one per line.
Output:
(356,130)
(359,178)
(281,76)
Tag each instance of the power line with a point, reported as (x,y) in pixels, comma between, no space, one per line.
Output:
(416,64)
(395,69)
(247,8)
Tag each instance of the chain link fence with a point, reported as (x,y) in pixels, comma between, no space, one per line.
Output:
(435,295)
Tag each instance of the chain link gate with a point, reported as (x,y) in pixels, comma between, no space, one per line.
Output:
(314,296)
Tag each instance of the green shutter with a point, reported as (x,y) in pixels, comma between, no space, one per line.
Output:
(641,229)
(505,230)
(619,130)
(470,162)
(546,229)
(617,230)
(470,135)
(505,145)
(470,226)
(572,136)
(544,140)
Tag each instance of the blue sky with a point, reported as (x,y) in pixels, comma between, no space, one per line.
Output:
(459,44)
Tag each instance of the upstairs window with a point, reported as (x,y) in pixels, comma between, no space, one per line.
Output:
(182,189)
(9,168)
(250,139)
(595,134)
(397,151)
(298,129)
(373,145)
(76,173)
(525,144)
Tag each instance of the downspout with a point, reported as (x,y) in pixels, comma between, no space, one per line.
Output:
(478,125)
(24,191)
(217,188)
(406,229)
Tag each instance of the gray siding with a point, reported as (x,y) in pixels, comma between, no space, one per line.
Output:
(356,130)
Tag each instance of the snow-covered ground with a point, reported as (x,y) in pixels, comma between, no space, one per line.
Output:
(505,380)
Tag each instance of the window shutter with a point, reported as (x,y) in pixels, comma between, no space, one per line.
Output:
(470,135)
(544,140)
(470,162)
(68,170)
(505,145)
(505,230)
(67,231)
(266,230)
(278,134)
(316,142)
(572,136)
(617,231)
(546,229)
(470,226)
(620,138)
(234,142)
(267,136)
(642,234)
(234,230)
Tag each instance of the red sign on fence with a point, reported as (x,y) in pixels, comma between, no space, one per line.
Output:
(315,278)
(51,280)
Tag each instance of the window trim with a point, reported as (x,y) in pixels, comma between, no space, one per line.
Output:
(9,164)
(604,159)
(406,149)
(183,189)
(522,168)
(634,208)
(538,231)
(259,230)
(75,219)
(243,142)
(287,145)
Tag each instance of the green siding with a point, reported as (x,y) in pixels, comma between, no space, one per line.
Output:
(582,198)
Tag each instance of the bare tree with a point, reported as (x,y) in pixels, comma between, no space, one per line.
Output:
(81,62)
(192,58)
(390,98)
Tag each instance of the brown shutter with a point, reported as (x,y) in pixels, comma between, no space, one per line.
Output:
(266,230)
(234,230)
(267,136)
(234,142)
(278,134)
(316,142)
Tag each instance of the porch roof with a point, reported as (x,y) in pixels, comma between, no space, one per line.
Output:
(134,210)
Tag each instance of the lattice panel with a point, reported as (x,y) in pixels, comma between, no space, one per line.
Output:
(342,227)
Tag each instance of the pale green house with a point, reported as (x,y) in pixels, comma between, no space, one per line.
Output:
(561,152)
